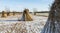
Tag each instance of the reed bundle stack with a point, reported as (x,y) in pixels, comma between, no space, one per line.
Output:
(4,14)
(26,16)
(13,13)
(53,22)
(8,13)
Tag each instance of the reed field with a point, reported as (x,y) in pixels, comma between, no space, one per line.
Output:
(15,26)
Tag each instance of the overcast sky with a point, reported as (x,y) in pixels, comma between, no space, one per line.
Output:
(19,5)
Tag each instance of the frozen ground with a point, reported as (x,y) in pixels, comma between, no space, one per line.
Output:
(34,26)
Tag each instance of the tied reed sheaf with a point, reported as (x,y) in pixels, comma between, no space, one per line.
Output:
(4,14)
(53,22)
(26,16)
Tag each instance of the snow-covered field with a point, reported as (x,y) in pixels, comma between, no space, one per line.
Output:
(34,26)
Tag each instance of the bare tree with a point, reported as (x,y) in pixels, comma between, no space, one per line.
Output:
(35,10)
(7,10)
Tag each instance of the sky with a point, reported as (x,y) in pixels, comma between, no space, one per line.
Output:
(20,5)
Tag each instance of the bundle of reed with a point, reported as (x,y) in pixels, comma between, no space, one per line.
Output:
(4,14)
(53,23)
(26,15)
(8,13)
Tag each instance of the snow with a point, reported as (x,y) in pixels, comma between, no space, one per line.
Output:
(34,26)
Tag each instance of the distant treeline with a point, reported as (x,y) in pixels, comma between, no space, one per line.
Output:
(31,12)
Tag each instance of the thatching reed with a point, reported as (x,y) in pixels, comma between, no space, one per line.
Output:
(8,13)
(4,14)
(53,23)
(13,13)
(26,16)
